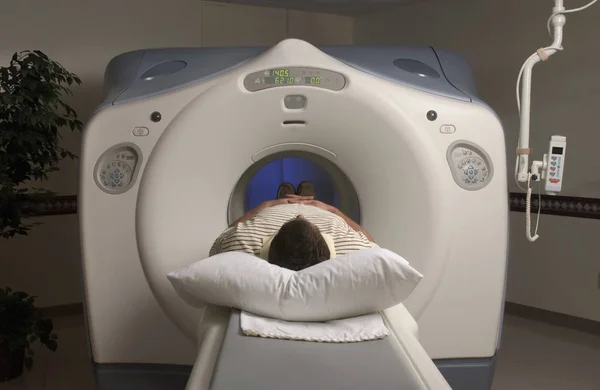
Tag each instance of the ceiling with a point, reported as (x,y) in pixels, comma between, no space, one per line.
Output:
(340,7)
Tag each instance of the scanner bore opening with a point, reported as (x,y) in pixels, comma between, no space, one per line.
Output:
(262,179)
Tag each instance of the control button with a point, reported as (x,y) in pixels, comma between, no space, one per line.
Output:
(294,102)
(140,131)
(116,177)
(447,129)
(554,181)
(474,170)
(552,174)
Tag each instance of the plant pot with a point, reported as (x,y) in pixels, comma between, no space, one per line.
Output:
(11,362)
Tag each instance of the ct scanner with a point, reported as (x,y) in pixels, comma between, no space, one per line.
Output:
(166,159)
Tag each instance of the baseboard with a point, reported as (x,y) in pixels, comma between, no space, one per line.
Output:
(567,206)
(72,309)
(552,318)
(58,205)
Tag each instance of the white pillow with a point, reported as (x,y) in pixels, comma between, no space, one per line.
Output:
(357,283)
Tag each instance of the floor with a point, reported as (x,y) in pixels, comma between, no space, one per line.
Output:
(538,356)
(533,356)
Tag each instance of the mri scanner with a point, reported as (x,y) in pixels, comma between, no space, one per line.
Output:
(416,157)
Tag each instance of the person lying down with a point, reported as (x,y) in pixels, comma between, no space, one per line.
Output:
(294,231)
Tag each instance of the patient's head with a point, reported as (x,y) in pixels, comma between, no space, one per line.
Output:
(298,245)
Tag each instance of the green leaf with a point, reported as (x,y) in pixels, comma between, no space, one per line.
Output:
(52,345)
(28,362)
(20,295)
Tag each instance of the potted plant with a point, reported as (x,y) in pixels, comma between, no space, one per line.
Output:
(32,111)
(20,325)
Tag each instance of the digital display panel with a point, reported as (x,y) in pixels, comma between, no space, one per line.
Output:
(294,76)
(285,80)
(557,150)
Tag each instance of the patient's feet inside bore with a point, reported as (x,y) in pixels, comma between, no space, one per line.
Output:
(285,189)
(306,188)
(329,185)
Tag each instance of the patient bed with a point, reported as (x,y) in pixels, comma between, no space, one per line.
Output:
(242,362)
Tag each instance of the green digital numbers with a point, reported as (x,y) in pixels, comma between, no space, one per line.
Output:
(281,72)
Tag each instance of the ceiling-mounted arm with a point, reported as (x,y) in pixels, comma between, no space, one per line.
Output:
(552,165)
(523,149)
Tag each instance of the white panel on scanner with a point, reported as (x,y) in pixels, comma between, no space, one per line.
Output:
(471,167)
(117,168)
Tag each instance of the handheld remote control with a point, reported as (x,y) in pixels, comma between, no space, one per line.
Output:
(556,163)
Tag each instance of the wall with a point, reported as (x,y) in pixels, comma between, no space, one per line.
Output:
(233,25)
(560,271)
(84,36)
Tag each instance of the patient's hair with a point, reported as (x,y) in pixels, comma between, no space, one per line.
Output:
(298,245)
